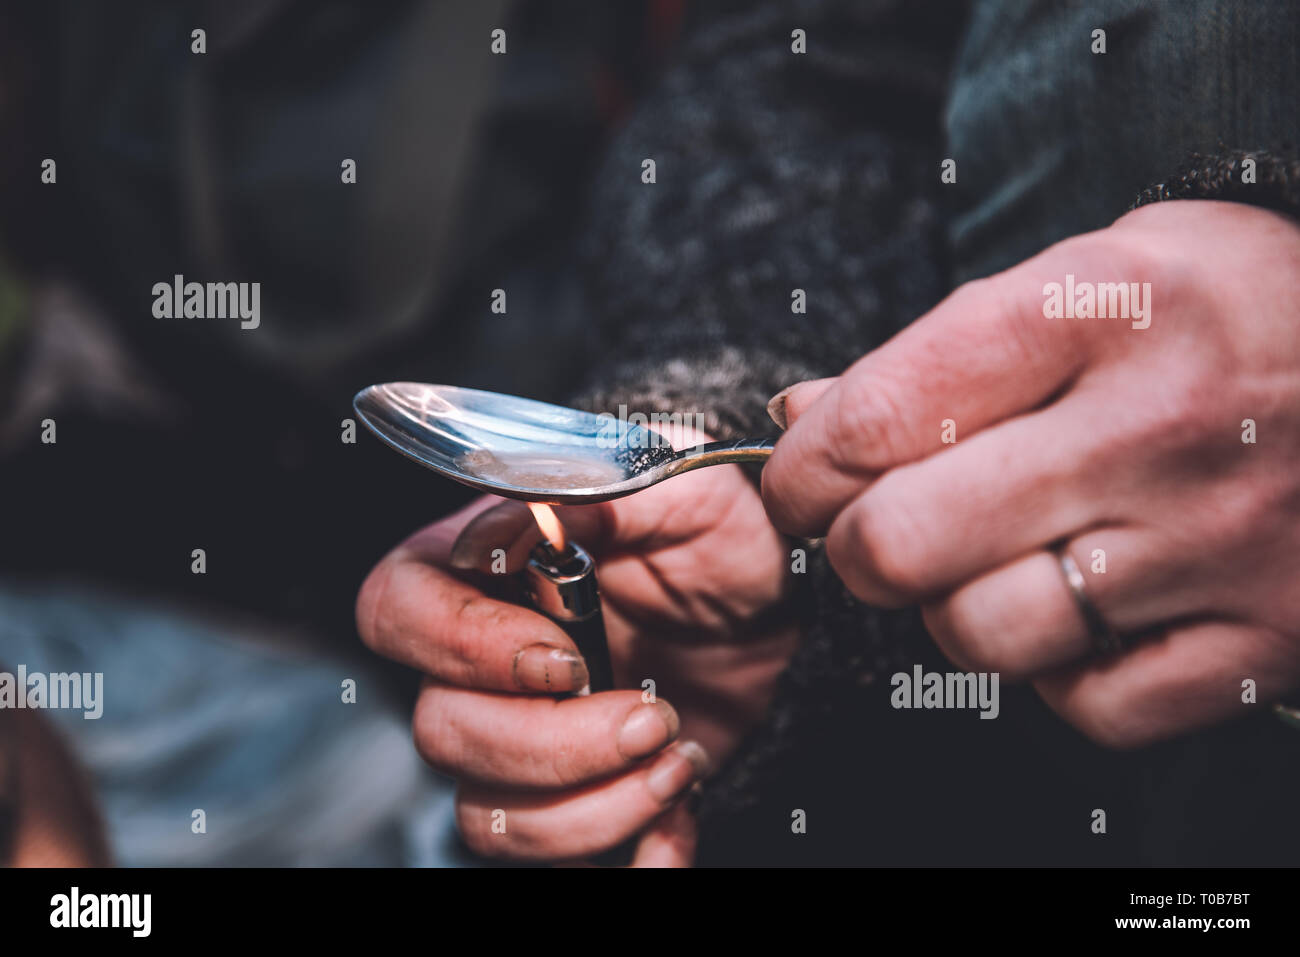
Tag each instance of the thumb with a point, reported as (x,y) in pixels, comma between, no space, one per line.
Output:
(791,402)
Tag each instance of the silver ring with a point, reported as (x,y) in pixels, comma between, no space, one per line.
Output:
(1105,640)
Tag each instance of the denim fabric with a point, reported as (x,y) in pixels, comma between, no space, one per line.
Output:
(1052,140)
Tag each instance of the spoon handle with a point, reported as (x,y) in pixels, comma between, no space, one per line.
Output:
(720,453)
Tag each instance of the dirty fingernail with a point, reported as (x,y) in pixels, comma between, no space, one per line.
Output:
(647,729)
(779,407)
(547,668)
(677,769)
(776,406)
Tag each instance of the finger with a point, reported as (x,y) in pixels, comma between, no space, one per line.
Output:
(670,842)
(576,823)
(1021,619)
(536,741)
(982,355)
(1186,678)
(433,543)
(790,403)
(497,541)
(927,527)
(424,617)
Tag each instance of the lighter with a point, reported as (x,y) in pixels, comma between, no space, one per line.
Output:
(560,581)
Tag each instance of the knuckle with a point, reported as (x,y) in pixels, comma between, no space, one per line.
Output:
(963,637)
(1255,509)
(1105,722)
(461,635)
(1110,732)
(494,827)
(1133,253)
(562,761)
(881,547)
(457,633)
(370,605)
(434,738)
(1026,335)
(552,751)
(474,820)
(1183,415)
(1236,518)
(864,423)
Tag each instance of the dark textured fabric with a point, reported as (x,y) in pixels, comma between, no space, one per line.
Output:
(1274,183)
(692,276)
(778,171)
(1053,140)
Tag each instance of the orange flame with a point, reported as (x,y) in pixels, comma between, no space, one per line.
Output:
(550,525)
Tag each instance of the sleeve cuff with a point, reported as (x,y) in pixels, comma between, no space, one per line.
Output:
(1256,177)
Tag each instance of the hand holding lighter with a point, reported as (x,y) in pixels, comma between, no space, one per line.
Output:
(540,453)
(562,585)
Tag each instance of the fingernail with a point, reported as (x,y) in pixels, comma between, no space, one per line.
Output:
(677,769)
(776,406)
(547,668)
(647,729)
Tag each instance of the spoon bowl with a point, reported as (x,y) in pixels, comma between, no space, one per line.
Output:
(532,451)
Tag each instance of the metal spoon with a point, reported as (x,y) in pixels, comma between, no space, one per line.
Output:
(530,450)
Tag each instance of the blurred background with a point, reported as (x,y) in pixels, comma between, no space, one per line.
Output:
(223,689)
